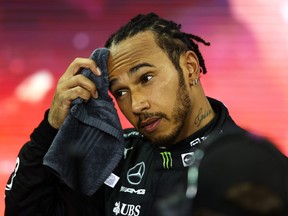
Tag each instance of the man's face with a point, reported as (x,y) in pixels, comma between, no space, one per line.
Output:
(146,87)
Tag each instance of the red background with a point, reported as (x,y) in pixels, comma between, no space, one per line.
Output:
(247,60)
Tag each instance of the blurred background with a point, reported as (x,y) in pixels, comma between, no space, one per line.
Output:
(247,61)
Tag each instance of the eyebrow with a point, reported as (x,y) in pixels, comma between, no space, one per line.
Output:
(137,67)
(131,71)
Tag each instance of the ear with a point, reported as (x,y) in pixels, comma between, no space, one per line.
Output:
(192,64)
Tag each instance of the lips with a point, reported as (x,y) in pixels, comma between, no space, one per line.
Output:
(149,125)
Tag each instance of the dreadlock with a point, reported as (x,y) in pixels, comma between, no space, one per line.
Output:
(167,35)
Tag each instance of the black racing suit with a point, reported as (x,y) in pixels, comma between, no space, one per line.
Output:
(147,174)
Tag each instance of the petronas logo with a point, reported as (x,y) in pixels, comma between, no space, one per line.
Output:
(167,159)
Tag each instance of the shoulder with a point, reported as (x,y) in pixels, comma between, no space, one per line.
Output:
(243,157)
(240,140)
(244,149)
(244,163)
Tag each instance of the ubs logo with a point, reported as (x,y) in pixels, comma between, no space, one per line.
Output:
(126,209)
(136,173)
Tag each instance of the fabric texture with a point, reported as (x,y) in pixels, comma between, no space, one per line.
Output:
(90,142)
(242,174)
(34,192)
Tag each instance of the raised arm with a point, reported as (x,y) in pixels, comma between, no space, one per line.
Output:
(32,189)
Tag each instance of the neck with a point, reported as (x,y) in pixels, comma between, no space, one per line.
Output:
(201,115)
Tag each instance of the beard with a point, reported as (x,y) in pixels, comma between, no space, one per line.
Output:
(181,108)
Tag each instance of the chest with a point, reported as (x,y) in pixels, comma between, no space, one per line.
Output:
(148,177)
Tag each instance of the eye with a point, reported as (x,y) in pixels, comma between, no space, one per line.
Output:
(145,78)
(119,93)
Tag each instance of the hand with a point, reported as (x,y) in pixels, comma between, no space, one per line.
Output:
(72,85)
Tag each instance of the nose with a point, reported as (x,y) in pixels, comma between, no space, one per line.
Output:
(139,103)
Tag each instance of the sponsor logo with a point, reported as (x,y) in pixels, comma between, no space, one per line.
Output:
(195,142)
(188,159)
(126,151)
(198,140)
(126,209)
(167,159)
(136,173)
(132,190)
(132,133)
(9,185)
(112,180)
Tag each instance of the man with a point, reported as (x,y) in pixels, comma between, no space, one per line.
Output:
(154,73)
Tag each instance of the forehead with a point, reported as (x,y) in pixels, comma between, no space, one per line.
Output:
(141,41)
(137,49)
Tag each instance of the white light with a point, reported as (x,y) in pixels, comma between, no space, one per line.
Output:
(284,11)
(7,166)
(34,88)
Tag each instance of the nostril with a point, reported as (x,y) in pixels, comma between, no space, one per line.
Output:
(139,106)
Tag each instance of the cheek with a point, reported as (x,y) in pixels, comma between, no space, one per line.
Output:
(165,93)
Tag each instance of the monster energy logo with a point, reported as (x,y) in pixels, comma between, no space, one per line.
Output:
(167,159)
